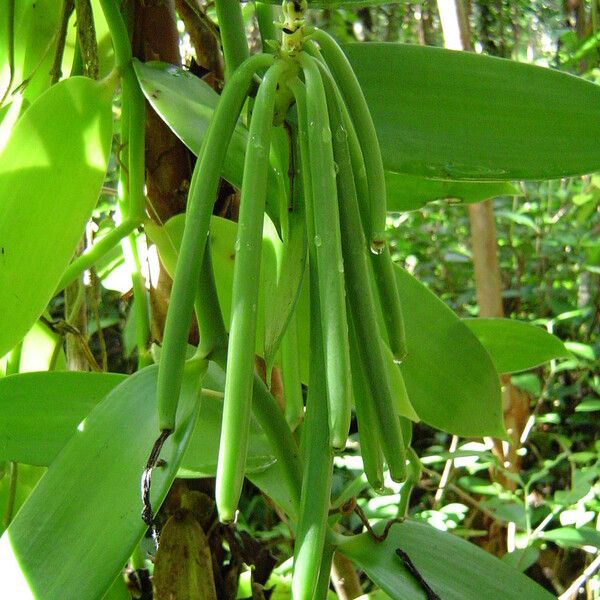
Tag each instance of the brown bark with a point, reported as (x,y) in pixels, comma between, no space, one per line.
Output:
(204,38)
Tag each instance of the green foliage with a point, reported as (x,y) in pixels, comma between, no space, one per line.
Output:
(294,284)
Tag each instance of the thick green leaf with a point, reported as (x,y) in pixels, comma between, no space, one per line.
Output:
(48,189)
(40,412)
(515,345)
(88,504)
(453,568)
(450,378)
(200,458)
(572,537)
(459,115)
(186,104)
(410,192)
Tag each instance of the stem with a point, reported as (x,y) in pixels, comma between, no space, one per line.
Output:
(140,300)
(233,34)
(61,36)
(414,475)
(244,300)
(292,386)
(344,578)
(86,34)
(213,336)
(264,16)
(95,253)
(118,32)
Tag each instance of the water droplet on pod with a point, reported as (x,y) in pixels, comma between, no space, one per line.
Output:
(377,246)
(237,245)
(326,134)
(318,240)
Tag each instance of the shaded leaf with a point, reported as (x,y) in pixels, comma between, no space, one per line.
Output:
(571,537)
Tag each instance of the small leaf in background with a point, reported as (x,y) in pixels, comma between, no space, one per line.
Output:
(584,351)
(43,205)
(453,568)
(571,537)
(518,218)
(521,558)
(514,345)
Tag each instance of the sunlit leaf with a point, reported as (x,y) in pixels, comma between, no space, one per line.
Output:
(48,189)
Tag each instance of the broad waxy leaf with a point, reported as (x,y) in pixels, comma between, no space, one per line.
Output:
(449,376)
(453,568)
(88,503)
(186,104)
(48,189)
(39,412)
(514,345)
(460,115)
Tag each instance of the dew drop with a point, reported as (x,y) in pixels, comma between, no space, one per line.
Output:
(377,247)
(318,240)
(326,134)
(237,245)
(336,168)
(341,266)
